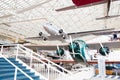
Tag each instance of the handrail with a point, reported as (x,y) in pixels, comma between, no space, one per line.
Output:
(1,49)
(40,60)
(32,69)
(17,67)
(44,59)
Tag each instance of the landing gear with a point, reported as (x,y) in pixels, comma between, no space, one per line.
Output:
(44,38)
(64,37)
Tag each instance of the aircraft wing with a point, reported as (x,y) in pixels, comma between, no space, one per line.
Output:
(82,3)
(110,44)
(34,38)
(51,37)
(92,31)
(96,33)
(106,32)
(80,34)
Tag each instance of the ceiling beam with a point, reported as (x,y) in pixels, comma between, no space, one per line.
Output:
(12,38)
(26,9)
(29,20)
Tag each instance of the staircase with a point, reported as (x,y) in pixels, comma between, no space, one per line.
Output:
(7,70)
(46,70)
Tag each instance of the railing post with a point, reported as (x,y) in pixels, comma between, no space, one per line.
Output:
(17,51)
(2,49)
(15,74)
(48,70)
(72,46)
(31,54)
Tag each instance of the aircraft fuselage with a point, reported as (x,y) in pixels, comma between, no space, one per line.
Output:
(51,29)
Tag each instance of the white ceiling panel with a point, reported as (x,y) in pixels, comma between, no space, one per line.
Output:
(26,17)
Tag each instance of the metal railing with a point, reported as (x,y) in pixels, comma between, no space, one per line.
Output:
(16,68)
(45,67)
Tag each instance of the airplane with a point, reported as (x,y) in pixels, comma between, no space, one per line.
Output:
(87,3)
(91,50)
(56,33)
(78,52)
(86,52)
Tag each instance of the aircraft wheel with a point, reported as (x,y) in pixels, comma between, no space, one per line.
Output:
(64,37)
(44,38)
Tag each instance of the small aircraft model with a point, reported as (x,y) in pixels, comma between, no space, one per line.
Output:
(87,3)
(56,33)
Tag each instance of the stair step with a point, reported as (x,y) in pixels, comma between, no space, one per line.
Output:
(22,78)
(29,73)
(2,70)
(12,59)
(9,75)
(2,59)
(13,70)
(34,78)
(5,63)
(10,65)
(7,70)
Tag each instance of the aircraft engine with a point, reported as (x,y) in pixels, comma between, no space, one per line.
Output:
(104,50)
(40,33)
(61,31)
(60,52)
(78,49)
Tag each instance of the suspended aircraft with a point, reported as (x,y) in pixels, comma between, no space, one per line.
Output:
(104,45)
(88,52)
(93,49)
(87,3)
(56,33)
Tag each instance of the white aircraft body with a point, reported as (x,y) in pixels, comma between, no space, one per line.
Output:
(52,29)
(56,33)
